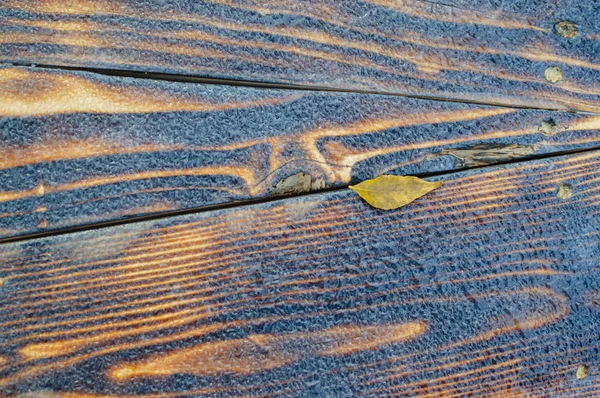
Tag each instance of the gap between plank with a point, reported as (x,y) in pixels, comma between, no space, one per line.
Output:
(248,202)
(266,85)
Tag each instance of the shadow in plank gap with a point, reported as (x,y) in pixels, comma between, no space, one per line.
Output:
(487,51)
(80,148)
(486,286)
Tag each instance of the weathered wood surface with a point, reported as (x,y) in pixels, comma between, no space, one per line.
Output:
(489,51)
(487,286)
(79,148)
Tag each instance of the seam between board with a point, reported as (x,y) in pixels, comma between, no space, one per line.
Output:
(180,78)
(249,202)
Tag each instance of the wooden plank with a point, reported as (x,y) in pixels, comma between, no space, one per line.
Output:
(485,50)
(80,148)
(488,286)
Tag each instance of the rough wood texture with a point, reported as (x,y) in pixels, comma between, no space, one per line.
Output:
(78,148)
(489,51)
(487,286)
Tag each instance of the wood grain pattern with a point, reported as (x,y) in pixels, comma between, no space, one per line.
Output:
(488,51)
(79,148)
(486,287)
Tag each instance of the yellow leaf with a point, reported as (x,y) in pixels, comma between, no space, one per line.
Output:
(391,192)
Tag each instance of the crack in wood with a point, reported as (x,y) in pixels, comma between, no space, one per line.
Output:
(283,86)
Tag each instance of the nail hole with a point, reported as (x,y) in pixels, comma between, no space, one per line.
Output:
(566,29)
(553,74)
(564,191)
(548,127)
(582,372)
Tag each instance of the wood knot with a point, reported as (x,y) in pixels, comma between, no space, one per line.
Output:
(297,184)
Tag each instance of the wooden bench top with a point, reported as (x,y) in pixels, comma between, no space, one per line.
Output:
(175,218)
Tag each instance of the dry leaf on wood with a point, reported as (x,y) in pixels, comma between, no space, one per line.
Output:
(388,192)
